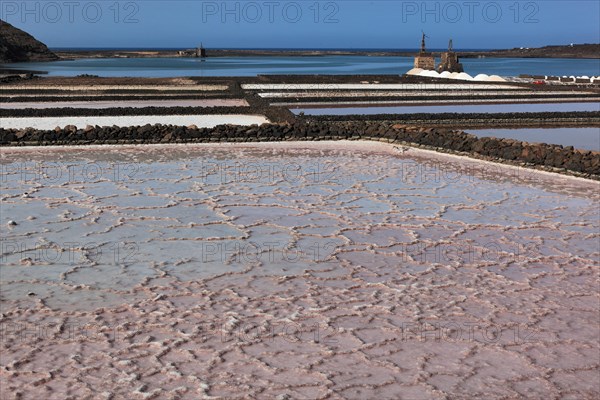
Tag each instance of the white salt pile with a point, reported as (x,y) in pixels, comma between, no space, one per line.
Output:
(414,71)
(496,78)
(429,73)
(463,76)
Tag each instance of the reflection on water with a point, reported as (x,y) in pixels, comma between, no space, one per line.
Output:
(580,138)
(328,65)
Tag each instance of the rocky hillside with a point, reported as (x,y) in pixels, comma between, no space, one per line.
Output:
(565,51)
(17,46)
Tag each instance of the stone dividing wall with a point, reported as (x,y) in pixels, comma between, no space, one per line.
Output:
(282,114)
(554,158)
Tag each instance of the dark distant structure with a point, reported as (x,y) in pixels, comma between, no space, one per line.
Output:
(450,61)
(424,59)
(198,52)
(201,52)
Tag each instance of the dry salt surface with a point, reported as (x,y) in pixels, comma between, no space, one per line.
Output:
(375,86)
(186,88)
(333,93)
(201,121)
(127,103)
(297,104)
(304,271)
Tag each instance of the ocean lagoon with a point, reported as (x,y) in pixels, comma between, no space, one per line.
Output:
(276,65)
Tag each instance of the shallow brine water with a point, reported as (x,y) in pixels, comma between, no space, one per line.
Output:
(201,121)
(453,108)
(324,270)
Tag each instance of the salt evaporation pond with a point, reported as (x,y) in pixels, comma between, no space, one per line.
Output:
(453,108)
(201,121)
(321,270)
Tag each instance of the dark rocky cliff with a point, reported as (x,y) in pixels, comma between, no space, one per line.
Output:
(18,46)
(563,51)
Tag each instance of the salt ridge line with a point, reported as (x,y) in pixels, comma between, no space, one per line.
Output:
(143,96)
(119,87)
(407,94)
(352,86)
(400,101)
(433,103)
(100,104)
(201,121)
(102,93)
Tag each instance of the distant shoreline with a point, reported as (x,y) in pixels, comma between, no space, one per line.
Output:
(580,51)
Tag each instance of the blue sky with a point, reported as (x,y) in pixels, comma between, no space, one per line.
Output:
(305,24)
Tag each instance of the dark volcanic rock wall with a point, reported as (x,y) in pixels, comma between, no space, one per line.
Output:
(545,156)
(17,46)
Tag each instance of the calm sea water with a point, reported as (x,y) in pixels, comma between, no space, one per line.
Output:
(327,65)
